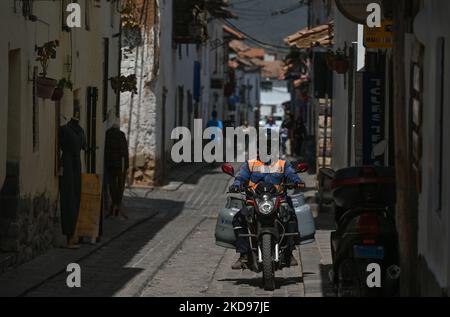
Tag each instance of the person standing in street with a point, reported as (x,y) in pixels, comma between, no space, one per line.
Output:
(215,123)
(288,122)
(246,131)
(284,136)
(218,125)
(117,164)
(270,124)
(300,135)
(72,140)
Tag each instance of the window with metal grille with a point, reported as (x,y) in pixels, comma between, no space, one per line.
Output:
(23,6)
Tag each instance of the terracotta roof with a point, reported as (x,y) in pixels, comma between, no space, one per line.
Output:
(258,62)
(244,61)
(245,51)
(321,35)
(238,46)
(272,69)
(238,35)
(296,36)
(254,53)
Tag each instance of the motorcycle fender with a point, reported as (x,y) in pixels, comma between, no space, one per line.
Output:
(264,230)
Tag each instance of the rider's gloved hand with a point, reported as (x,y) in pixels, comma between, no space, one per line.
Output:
(235,189)
(300,185)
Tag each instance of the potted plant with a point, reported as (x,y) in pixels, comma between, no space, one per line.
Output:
(45,85)
(340,63)
(58,92)
(124,84)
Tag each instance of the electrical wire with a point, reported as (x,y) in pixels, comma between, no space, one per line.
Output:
(247,13)
(250,10)
(242,2)
(293,8)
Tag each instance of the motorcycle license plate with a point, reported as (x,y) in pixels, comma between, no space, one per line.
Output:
(368,252)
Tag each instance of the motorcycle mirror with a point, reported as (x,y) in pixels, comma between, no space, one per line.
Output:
(301,168)
(379,149)
(228,169)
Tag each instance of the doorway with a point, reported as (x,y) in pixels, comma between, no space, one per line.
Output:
(10,190)
(14,97)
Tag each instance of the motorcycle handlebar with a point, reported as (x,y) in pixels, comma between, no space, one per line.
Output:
(245,190)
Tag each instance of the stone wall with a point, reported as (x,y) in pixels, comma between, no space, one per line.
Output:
(29,226)
(138,113)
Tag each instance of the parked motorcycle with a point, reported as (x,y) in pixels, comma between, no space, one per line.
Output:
(268,219)
(366,235)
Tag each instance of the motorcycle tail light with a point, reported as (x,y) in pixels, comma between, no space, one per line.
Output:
(278,202)
(368,171)
(368,224)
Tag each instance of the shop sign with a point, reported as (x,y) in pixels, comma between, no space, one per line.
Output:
(381,37)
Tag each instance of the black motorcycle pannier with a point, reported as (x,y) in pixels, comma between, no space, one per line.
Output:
(361,186)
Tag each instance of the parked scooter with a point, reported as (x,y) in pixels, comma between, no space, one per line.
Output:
(366,237)
(268,221)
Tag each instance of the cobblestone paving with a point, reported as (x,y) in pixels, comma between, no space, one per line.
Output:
(172,252)
(201,268)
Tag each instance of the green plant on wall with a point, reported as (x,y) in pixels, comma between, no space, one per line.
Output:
(124,84)
(45,53)
(65,83)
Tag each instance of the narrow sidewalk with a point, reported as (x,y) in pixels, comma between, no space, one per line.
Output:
(316,257)
(21,280)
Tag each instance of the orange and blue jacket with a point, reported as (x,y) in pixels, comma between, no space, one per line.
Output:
(254,172)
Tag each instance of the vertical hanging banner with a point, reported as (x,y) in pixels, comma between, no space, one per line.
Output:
(197,81)
(373,115)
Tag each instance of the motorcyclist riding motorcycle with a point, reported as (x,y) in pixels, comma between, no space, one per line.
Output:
(252,173)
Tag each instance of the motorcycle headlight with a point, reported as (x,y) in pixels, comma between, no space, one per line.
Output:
(266,206)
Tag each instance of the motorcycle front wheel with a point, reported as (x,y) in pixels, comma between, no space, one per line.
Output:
(268,265)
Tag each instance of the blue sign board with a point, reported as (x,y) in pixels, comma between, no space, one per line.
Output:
(373,115)
(197,81)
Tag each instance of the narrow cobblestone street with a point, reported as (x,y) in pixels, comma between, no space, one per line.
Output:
(171,252)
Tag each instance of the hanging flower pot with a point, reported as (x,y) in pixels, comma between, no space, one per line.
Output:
(58,94)
(340,66)
(45,87)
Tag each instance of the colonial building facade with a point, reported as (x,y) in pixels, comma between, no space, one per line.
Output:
(84,57)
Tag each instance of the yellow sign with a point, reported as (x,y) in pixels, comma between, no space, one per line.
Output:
(381,37)
(88,224)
